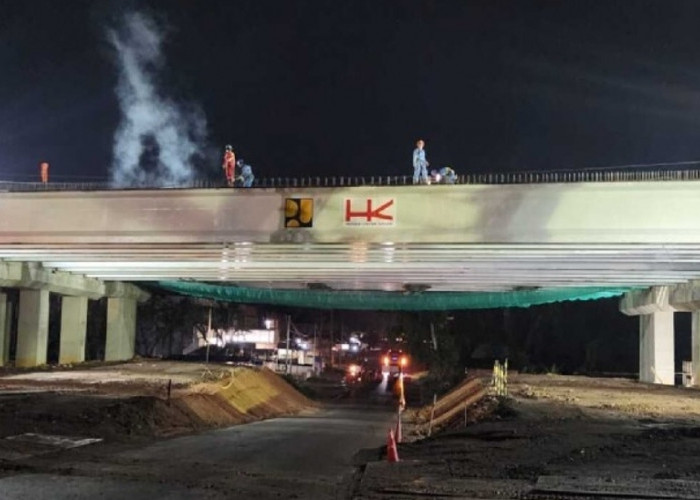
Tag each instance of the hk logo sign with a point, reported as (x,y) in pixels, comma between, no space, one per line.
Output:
(369,212)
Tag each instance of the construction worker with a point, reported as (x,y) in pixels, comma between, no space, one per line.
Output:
(420,164)
(229,164)
(44,170)
(246,176)
(448,175)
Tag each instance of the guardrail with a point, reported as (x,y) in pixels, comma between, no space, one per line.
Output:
(389,180)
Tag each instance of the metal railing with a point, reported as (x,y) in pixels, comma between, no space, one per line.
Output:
(543,177)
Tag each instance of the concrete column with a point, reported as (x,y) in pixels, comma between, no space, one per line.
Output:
(9,316)
(4,331)
(73,329)
(121,329)
(695,346)
(32,328)
(656,356)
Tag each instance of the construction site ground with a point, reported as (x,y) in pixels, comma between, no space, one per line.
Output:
(554,437)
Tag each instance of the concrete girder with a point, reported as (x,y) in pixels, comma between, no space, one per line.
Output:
(649,301)
(33,276)
(121,290)
(686,296)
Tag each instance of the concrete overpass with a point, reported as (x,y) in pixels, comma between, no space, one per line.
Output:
(389,238)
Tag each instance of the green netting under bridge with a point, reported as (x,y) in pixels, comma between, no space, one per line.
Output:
(388,301)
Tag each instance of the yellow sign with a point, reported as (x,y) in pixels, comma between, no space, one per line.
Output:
(299,212)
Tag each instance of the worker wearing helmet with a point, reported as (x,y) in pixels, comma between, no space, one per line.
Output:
(229,164)
(420,164)
(44,170)
(448,175)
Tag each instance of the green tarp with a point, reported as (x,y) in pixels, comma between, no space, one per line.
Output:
(387,301)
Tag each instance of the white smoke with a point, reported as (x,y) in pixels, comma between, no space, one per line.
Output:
(157,139)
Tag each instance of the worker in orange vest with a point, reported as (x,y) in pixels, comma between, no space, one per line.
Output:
(229,164)
(44,169)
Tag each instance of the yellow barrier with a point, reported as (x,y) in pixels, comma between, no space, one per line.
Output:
(500,378)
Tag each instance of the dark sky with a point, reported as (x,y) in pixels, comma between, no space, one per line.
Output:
(345,87)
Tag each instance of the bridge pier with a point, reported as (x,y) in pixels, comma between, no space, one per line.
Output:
(121,328)
(32,328)
(35,283)
(656,343)
(74,312)
(655,307)
(656,354)
(695,346)
(5,318)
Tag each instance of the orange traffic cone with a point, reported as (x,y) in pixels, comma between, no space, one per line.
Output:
(392,454)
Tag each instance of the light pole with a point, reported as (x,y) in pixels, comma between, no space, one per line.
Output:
(289,320)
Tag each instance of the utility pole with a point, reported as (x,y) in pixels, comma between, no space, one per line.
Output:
(332,325)
(315,350)
(289,321)
(208,334)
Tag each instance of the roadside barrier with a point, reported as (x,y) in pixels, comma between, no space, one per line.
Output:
(500,378)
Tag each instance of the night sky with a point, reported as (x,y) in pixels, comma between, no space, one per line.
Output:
(341,87)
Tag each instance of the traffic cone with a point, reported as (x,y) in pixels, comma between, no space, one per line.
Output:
(392,454)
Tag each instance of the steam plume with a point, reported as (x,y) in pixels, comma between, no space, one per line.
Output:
(157,139)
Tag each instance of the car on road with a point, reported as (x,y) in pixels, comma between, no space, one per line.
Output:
(395,362)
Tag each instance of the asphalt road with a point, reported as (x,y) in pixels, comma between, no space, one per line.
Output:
(310,456)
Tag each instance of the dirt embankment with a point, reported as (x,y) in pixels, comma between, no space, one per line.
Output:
(142,399)
(556,437)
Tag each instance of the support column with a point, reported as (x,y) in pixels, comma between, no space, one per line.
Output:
(121,329)
(695,346)
(32,328)
(656,355)
(73,329)
(4,331)
(9,316)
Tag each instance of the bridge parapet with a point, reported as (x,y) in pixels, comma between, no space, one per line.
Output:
(489,178)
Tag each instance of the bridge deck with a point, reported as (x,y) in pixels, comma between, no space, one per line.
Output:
(462,237)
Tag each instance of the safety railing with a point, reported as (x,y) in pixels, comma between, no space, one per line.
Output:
(544,177)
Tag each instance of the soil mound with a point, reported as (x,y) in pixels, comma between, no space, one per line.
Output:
(227,397)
